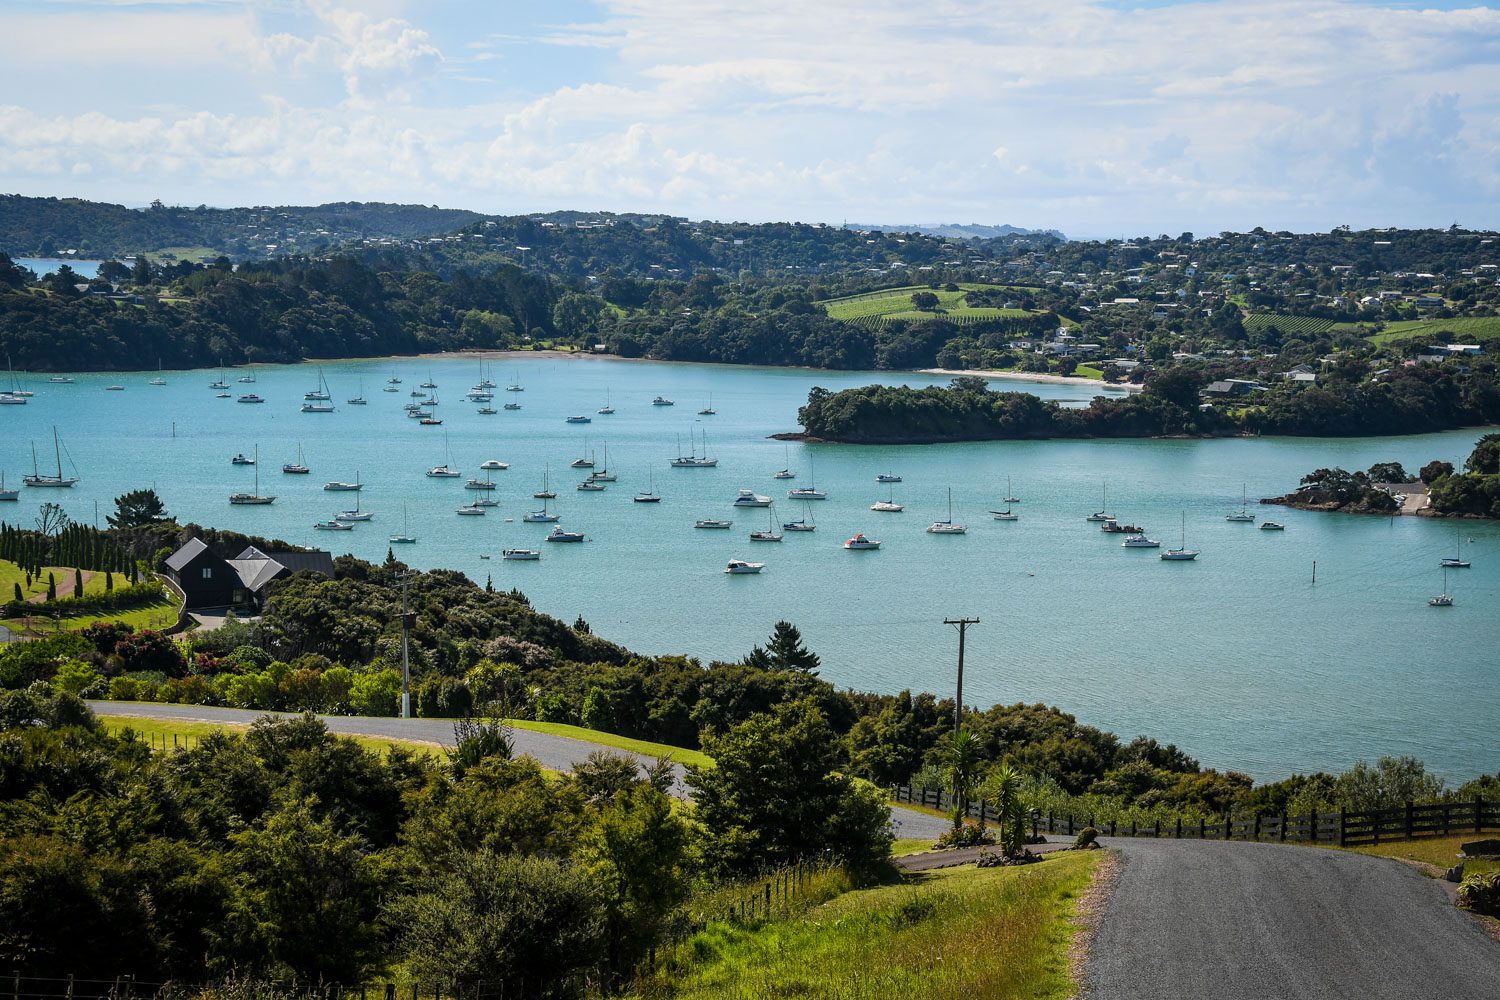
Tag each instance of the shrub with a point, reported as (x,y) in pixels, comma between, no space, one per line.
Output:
(967,835)
(1087,837)
(1481,894)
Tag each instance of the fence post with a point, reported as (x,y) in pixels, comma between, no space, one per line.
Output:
(1312,820)
(1281,833)
(1132,822)
(70,986)
(1257,826)
(1179,827)
(1111,828)
(1344,826)
(768,885)
(1202,826)
(1410,821)
(15,976)
(1478,802)
(1033,820)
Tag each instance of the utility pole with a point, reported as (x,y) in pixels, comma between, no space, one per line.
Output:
(958,705)
(406,623)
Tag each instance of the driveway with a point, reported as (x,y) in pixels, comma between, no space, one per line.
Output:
(556,753)
(1246,921)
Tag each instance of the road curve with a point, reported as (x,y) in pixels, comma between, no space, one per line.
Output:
(1246,921)
(556,753)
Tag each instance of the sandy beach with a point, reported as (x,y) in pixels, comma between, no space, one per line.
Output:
(1032,377)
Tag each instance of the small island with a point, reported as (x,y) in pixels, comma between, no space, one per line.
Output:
(1387,488)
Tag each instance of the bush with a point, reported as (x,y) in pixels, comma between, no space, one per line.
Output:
(1087,837)
(1481,894)
(967,835)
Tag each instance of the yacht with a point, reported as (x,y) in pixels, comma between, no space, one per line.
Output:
(321,393)
(484,502)
(561,534)
(770,534)
(393,380)
(252,499)
(246,378)
(470,510)
(486,410)
(589,486)
(1140,542)
(37,479)
(338,487)
(521,555)
(1244,516)
(513,406)
(581,463)
(249,397)
(650,496)
(1273,526)
(221,395)
(1113,527)
(606,408)
(241,460)
(811,491)
(428,420)
(114,388)
(739,567)
(713,524)
(1009,496)
(429,384)
(662,401)
(603,475)
(1443,600)
(390,388)
(887,507)
(1006,515)
(444,471)
(217,383)
(317,407)
(805,524)
(477,395)
(7,494)
(1100,514)
(68,380)
(708,411)
(406,537)
(493,464)
(888,477)
(859,541)
(479,484)
(11,399)
(579,418)
(786,468)
(158,380)
(1457,560)
(1182,553)
(749,498)
(948,527)
(297,468)
(360,400)
(332,526)
(692,460)
(542,516)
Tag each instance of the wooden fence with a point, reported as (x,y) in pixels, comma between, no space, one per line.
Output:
(1344,827)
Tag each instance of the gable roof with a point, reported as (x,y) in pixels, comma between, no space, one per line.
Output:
(256,573)
(190,550)
(316,561)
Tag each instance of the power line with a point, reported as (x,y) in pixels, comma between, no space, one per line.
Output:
(958,701)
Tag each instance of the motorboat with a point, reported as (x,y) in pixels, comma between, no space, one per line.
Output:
(493,464)
(521,555)
(712,523)
(241,460)
(1140,542)
(68,380)
(512,406)
(479,484)
(887,506)
(338,487)
(114,388)
(888,477)
(561,534)
(579,418)
(317,407)
(662,401)
(1278,526)
(332,526)
(444,471)
(749,498)
(250,397)
(430,421)
(859,541)
(470,510)
(739,567)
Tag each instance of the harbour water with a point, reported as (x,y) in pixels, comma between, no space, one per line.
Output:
(46,265)
(1238,657)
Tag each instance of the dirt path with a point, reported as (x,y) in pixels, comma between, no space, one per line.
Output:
(65,585)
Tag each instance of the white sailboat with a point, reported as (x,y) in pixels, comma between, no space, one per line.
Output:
(786,467)
(1445,599)
(37,479)
(770,534)
(1182,553)
(1457,560)
(708,411)
(158,380)
(359,400)
(321,393)
(546,492)
(889,504)
(948,527)
(357,514)
(1100,514)
(543,516)
(406,537)
(1244,516)
(252,499)
(805,524)
(606,409)
(297,468)
(811,491)
(692,460)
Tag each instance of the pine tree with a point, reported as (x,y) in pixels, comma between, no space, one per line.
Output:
(784,651)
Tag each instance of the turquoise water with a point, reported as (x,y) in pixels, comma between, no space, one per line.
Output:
(1237,657)
(46,265)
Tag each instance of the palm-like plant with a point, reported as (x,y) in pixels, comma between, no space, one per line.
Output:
(1003,790)
(960,755)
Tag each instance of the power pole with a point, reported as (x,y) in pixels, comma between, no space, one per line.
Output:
(958,704)
(406,623)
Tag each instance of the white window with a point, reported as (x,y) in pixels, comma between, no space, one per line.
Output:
(208,572)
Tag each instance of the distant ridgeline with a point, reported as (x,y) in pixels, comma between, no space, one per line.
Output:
(1402,401)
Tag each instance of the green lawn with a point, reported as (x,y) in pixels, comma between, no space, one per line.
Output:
(12,574)
(1088,371)
(895,303)
(162,732)
(157,615)
(680,755)
(1441,852)
(195,254)
(996,933)
(1468,329)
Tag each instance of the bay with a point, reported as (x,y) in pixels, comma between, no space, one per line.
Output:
(1238,657)
(46,265)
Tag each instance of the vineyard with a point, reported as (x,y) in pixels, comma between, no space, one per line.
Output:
(875,309)
(1290,325)
(1466,329)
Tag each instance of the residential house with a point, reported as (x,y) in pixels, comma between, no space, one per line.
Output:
(208,581)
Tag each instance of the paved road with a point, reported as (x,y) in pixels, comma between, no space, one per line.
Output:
(557,753)
(1244,921)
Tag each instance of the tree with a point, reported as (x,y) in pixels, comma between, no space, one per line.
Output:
(77,583)
(1435,470)
(960,755)
(1003,791)
(140,271)
(137,509)
(1485,459)
(52,519)
(776,795)
(924,300)
(13,275)
(784,651)
(1388,472)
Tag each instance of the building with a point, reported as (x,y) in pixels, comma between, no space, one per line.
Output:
(207,581)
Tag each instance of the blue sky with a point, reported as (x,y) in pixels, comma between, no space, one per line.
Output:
(1098,118)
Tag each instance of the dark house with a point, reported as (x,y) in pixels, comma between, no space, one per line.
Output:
(211,582)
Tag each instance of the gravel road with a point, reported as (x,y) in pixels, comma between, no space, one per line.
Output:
(556,753)
(1245,921)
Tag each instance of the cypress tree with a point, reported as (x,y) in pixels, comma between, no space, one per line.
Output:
(28,572)
(78,583)
(19,596)
(51,588)
(109,581)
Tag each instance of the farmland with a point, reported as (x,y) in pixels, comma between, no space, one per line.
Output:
(875,309)
(1466,329)
(1291,325)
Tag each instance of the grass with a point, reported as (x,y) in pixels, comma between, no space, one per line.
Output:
(910,845)
(156,615)
(679,755)
(1465,329)
(164,731)
(12,574)
(1440,852)
(955,933)
(1088,371)
(1288,324)
(195,254)
(878,308)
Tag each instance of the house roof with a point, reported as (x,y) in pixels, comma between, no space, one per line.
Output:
(190,550)
(256,573)
(295,562)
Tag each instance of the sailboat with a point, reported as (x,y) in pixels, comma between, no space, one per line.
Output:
(158,380)
(37,479)
(786,467)
(889,504)
(297,468)
(338,487)
(1457,560)
(15,394)
(805,524)
(7,494)
(357,514)
(606,408)
(360,399)
(770,534)
(650,496)
(543,516)
(1182,553)
(252,499)
(446,470)
(429,384)
(1009,496)
(603,475)
(515,386)
(546,492)
(321,393)
(948,527)
(1100,514)
(810,492)
(1443,600)
(1244,516)
(708,411)
(406,537)
(692,460)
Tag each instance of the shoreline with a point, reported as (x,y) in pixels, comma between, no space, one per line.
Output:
(1035,377)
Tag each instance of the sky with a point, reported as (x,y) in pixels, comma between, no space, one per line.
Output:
(1097,118)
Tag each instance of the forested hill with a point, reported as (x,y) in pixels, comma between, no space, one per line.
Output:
(48,226)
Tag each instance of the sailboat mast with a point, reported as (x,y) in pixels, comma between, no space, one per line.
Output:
(57,450)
